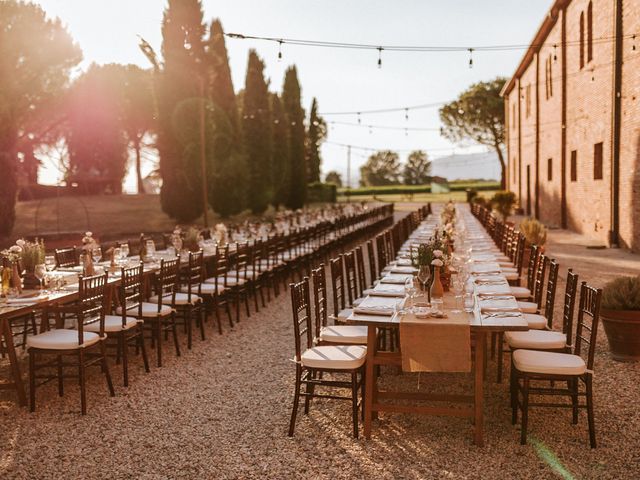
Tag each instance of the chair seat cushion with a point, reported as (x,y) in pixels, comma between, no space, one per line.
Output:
(505,264)
(528,307)
(503,258)
(520,292)
(504,269)
(205,289)
(511,276)
(536,321)
(232,281)
(180,299)
(536,340)
(534,361)
(62,339)
(356,334)
(112,323)
(344,314)
(148,310)
(339,357)
(358,301)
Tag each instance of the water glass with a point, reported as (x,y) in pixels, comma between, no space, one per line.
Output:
(40,272)
(96,254)
(468,302)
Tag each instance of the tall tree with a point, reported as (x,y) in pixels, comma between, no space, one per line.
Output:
(220,83)
(417,170)
(478,115)
(316,133)
(181,80)
(280,148)
(334,177)
(95,136)
(381,168)
(256,128)
(137,112)
(295,115)
(36,55)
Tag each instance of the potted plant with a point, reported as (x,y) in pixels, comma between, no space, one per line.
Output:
(535,233)
(620,313)
(503,203)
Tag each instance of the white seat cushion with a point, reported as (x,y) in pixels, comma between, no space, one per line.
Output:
(512,276)
(508,269)
(148,310)
(205,289)
(520,292)
(344,334)
(536,321)
(339,357)
(505,264)
(503,258)
(181,299)
(534,361)
(358,301)
(112,323)
(344,314)
(528,307)
(536,340)
(62,339)
(231,281)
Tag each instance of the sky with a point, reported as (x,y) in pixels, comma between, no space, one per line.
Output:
(342,80)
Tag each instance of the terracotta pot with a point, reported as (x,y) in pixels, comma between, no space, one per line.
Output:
(622,328)
(30,281)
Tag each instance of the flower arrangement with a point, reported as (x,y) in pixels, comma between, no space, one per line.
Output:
(88,242)
(192,239)
(29,253)
(448,214)
(221,233)
(435,253)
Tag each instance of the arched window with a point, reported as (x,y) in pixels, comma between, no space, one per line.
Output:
(581,39)
(590,32)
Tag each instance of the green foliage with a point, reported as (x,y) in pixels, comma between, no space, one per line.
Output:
(96,136)
(322,192)
(36,56)
(316,134)
(622,293)
(534,231)
(333,177)
(256,128)
(503,202)
(295,115)
(413,189)
(477,115)
(381,168)
(280,161)
(417,170)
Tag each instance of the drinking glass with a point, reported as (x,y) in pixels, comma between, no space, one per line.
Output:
(117,254)
(40,271)
(151,248)
(124,251)
(424,275)
(458,289)
(50,262)
(468,302)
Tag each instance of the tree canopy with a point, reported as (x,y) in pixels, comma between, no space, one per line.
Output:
(381,168)
(295,115)
(334,177)
(417,170)
(477,115)
(316,133)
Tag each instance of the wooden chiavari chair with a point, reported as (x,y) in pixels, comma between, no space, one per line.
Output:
(576,369)
(350,278)
(67,257)
(83,349)
(124,328)
(313,361)
(526,293)
(221,292)
(373,270)
(538,288)
(338,290)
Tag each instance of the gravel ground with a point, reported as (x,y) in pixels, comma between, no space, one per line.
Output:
(222,411)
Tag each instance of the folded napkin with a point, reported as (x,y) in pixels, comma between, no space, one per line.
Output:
(27,300)
(494,289)
(374,310)
(387,293)
(403,269)
(497,303)
(395,279)
(485,268)
(404,262)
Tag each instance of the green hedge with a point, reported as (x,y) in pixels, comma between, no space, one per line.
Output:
(322,192)
(455,186)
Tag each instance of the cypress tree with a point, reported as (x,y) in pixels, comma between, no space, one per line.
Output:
(316,133)
(280,160)
(256,129)
(295,115)
(178,85)
(220,83)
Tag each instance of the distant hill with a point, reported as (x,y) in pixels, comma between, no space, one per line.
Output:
(467,166)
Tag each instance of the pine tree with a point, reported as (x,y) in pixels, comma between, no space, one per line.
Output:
(295,114)
(179,84)
(316,133)
(220,83)
(256,128)
(280,160)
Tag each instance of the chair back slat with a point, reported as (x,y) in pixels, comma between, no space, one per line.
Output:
(534,253)
(301,308)
(362,280)
(550,298)
(168,280)
(318,276)
(337,285)
(373,271)
(91,296)
(587,324)
(351,281)
(194,274)
(538,286)
(67,257)
(570,295)
(131,291)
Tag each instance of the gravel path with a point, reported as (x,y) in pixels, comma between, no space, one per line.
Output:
(222,410)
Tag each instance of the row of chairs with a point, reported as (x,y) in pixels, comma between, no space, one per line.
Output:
(108,322)
(543,354)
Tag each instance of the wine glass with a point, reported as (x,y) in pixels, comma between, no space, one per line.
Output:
(424,275)
(124,251)
(40,271)
(117,254)
(96,254)
(151,249)
(458,289)
(50,264)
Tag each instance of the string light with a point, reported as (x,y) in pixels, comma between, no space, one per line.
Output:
(471,58)
(359,120)
(388,110)
(633,39)
(280,42)
(555,57)
(379,57)
(406,114)
(385,127)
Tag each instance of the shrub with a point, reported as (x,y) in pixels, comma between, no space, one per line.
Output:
(322,192)
(622,293)
(534,231)
(503,202)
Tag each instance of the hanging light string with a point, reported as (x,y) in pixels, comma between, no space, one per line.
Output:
(388,110)
(386,127)
(398,150)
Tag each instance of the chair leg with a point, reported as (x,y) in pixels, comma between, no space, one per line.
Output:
(525,411)
(142,347)
(32,381)
(296,401)
(125,357)
(354,402)
(157,326)
(572,385)
(174,329)
(308,390)
(83,392)
(513,387)
(105,369)
(590,413)
(188,324)
(500,341)
(218,319)
(200,318)
(60,378)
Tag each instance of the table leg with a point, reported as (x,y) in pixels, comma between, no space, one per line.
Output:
(478,403)
(13,360)
(370,379)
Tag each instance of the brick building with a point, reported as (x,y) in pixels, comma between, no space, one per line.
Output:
(573,121)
